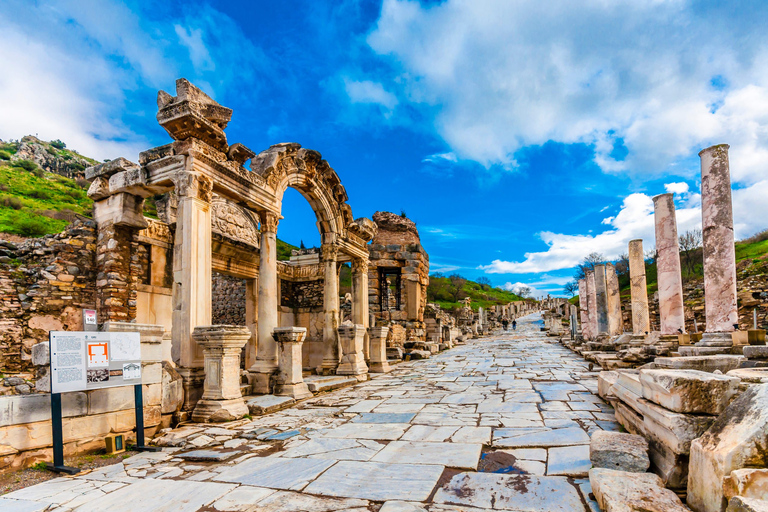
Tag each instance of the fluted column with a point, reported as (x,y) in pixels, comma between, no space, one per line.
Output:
(669,278)
(719,253)
(601,297)
(641,322)
(266,348)
(331,354)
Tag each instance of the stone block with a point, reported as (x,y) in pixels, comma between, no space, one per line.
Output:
(739,504)
(750,352)
(41,354)
(747,482)
(756,336)
(724,363)
(21,409)
(106,400)
(152,394)
(618,451)
(736,440)
(151,373)
(622,491)
(689,391)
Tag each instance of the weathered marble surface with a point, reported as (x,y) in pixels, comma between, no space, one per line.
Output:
(668,266)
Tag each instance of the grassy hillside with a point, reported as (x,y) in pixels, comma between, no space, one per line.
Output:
(447,291)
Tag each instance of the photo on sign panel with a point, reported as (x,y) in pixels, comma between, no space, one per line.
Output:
(101,375)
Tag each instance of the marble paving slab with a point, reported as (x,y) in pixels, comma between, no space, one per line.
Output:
(381,431)
(276,472)
(377,481)
(452,455)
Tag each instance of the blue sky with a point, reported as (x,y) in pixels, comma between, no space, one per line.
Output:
(520,136)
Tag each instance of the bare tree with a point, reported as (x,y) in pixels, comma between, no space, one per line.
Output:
(524,292)
(571,287)
(484,283)
(457,287)
(622,265)
(689,242)
(588,263)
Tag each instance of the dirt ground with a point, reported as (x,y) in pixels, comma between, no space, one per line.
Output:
(21,478)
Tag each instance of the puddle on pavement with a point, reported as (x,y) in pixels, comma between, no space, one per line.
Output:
(499,462)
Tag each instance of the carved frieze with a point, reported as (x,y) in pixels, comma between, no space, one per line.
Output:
(234,222)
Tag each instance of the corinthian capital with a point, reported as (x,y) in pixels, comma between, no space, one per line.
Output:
(360,266)
(329,252)
(193,185)
(269,221)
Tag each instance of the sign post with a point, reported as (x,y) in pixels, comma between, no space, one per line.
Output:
(86,360)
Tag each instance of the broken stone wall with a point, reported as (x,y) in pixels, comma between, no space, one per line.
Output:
(44,284)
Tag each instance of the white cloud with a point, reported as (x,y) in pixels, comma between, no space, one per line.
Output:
(367,91)
(441,157)
(676,188)
(516,287)
(504,75)
(634,220)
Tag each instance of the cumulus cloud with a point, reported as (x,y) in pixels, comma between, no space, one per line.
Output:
(676,188)
(634,220)
(367,91)
(661,79)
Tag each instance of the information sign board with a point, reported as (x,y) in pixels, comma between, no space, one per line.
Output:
(94,360)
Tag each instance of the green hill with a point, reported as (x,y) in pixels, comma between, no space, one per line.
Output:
(448,291)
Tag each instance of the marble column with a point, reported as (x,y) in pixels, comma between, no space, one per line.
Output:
(221,400)
(613,301)
(641,322)
(719,253)
(601,297)
(591,303)
(360,299)
(583,311)
(251,320)
(266,362)
(290,380)
(669,277)
(352,360)
(330,309)
(192,284)
(378,337)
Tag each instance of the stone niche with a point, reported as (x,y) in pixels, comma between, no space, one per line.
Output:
(398,275)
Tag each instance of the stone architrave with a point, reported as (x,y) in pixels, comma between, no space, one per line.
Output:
(601,297)
(221,400)
(641,322)
(670,279)
(352,360)
(378,337)
(266,347)
(719,253)
(613,301)
(290,381)
(591,303)
(329,254)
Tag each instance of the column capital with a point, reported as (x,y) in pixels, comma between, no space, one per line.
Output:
(329,252)
(269,221)
(359,265)
(193,185)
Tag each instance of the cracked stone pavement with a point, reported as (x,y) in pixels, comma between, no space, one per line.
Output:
(501,423)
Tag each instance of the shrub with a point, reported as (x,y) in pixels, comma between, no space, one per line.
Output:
(4,155)
(29,226)
(40,194)
(27,165)
(58,144)
(12,202)
(83,183)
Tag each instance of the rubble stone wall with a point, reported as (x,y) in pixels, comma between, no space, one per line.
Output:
(44,283)
(302,294)
(228,300)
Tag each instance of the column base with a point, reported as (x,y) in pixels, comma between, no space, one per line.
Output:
(297,391)
(329,367)
(716,339)
(215,411)
(262,381)
(193,382)
(352,368)
(377,367)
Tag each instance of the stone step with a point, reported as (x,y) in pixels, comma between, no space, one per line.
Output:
(320,384)
(267,404)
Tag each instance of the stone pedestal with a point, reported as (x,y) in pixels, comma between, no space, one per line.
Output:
(290,381)
(352,337)
(221,400)
(670,280)
(641,322)
(378,337)
(265,365)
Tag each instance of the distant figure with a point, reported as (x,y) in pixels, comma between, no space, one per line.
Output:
(514,325)
(505,323)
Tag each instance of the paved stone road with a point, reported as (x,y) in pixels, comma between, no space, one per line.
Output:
(500,423)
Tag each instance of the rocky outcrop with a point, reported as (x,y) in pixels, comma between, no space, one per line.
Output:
(51,158)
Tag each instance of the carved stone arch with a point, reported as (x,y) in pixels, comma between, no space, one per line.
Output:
(290,165)
(234,222)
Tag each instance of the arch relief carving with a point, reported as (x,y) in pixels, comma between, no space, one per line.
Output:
(234,222)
